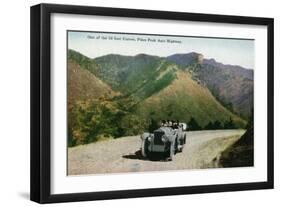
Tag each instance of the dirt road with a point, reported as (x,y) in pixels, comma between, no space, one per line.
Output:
(202,150)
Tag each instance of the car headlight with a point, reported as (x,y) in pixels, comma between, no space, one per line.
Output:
(164,139)
(144,135)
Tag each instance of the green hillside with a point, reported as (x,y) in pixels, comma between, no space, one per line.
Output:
(83,61)
(132,75)
(185,98)
(83,85)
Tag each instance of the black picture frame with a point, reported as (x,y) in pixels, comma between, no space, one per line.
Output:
(41,96)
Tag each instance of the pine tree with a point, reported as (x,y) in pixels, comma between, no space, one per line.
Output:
(193,124)
(217,125)
(209,126)
(229,124)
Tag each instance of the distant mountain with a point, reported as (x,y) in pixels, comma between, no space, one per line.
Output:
(231,85)
(130,74)
(186,58)
(234,69)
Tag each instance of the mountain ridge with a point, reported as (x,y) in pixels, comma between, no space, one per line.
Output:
(230,84)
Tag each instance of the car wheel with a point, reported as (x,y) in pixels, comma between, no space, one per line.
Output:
(172,153)
(180,149)
(144,148)
(176,146)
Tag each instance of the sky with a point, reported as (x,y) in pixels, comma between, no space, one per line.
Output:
(228,51)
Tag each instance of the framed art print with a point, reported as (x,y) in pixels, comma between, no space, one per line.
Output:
(133,103)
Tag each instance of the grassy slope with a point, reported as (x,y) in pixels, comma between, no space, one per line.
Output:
(83,85)
(185,98)
(127,73)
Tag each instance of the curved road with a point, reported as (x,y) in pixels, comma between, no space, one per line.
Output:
(202,150)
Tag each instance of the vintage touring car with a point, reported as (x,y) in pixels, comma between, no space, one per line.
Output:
(166,139)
